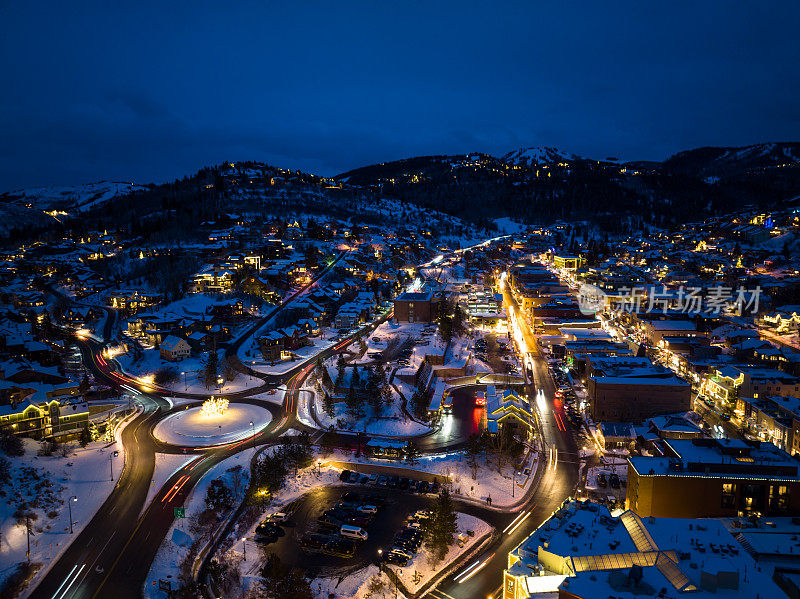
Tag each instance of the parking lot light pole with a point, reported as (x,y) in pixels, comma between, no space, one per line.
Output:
(244,546)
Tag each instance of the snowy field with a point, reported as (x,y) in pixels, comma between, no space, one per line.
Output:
(191,428)
(45,484)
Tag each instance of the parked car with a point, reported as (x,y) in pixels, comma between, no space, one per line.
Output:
(353,532)
(368,509)
(344,475)
(613,480)
(601,479)
(382,480)
(329,521)
(396,558)
(401,552)
(278,517)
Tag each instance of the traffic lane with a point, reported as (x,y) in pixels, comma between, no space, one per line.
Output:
(556,485)
(455,429)
(114,520)
(712,418)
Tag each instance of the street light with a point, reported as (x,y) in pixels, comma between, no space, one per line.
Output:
(244,545)
(111,457)
(69,505)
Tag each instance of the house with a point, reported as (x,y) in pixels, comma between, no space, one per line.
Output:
(507,409)
(175,349)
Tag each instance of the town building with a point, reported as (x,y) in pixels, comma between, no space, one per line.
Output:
(415,307)
(174,348)
(714,478)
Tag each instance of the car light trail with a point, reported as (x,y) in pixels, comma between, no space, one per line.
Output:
(518,524)
(65,580)
(176,487)
(71,582)
(515,520)
(476,570)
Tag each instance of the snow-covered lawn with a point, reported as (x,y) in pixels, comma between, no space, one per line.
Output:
(191,428)
(189,373)
(392,421)
(176,545)
(45,484)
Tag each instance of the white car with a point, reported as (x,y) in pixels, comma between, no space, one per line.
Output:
(278,517)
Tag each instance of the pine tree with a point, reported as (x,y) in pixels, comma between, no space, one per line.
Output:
(441,529)
(340,366)
(412,453)
(84,437)
(210,375)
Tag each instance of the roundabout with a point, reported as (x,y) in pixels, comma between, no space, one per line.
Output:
(203,427)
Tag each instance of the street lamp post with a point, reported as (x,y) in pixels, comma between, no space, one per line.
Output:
(111,457)
(513,482)
(185,384)
(69,505)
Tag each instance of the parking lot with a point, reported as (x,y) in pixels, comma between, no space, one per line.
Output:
(310,537)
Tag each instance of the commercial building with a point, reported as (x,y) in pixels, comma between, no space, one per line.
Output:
(415,307)
(584,552)
(714,478)
(627,389)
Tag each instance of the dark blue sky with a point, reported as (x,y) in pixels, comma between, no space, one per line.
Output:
(93,91)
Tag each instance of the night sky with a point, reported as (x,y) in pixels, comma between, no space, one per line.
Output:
(92,91)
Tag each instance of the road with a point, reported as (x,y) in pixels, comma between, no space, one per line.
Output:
(113,554)
(559,481)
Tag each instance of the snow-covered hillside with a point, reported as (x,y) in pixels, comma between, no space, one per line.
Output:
(73,198)
(537,155)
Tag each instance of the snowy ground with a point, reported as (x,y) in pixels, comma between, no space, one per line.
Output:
(357,585)
(190,428)
(45,484)
(392,421)
(166,565)
(189,373)
(422,564)
(251,356)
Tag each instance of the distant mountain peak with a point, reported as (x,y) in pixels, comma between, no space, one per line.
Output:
(537,155)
